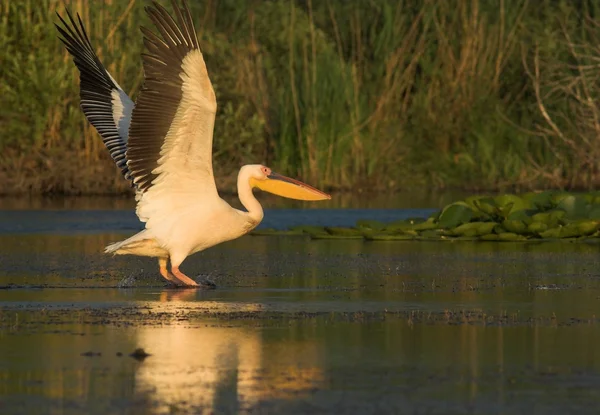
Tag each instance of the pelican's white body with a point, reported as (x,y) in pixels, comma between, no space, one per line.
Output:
(194,231)
(198,225)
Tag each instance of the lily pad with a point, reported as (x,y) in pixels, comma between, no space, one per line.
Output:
(510,236)
(514,203)
(523,215)
(490,237)
(474,229)
(455,214)
(515,226)
(541,200)
(415,221)
(557,197)
(587,227)
(488,206)
(329,236)
(398,225)
(575,207)
(339,231)
(432,234)
(265,232)
(594,198)
(551,233)
(426,225)
(594,213)
(367,224)
(570,231)
(309,229)
(388,237)
(537,227)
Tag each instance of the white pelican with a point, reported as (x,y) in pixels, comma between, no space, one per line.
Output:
(163,144)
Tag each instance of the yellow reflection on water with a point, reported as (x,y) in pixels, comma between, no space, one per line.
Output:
(221,364)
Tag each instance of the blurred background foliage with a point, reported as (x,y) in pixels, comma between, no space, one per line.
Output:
(375,95)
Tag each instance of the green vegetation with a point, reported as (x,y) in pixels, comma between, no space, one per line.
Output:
(381,94)
(542,216)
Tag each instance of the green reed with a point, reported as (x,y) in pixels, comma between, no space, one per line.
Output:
(375,95)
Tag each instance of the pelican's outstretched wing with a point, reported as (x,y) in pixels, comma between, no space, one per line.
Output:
(104,103)
(170,140)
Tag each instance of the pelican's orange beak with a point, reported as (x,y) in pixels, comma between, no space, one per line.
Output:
(293,189)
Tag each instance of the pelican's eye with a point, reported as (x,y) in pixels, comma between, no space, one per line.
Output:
(266,171)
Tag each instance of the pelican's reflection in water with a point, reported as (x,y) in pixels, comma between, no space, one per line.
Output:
(221,364)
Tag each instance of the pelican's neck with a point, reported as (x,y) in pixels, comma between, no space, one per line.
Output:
(255,210)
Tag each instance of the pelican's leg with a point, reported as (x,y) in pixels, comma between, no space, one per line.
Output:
(182,277)
(176,260)
(162,263)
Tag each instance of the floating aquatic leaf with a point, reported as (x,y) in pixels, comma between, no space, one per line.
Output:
(388,237)
(510,236)
(552,218)
(514,203)
(570,231)
(593,197)
(575,207)
(542,217)
(291,233)
(551,233)
(432,234)
(415,221)
(541,200)
(336,230)
(330,236)
(515,226)
(309,229)
(472,201)
(498,229)
(465,238)
(367,224)
(455,214)
(488,206)
(474,229)
(486,228)
(533,216)
(466,229)
(594,213)
(587,227)
(557,214)
(557,197)
(398,225)
(504,211)
(537,227)
(426,225)
(265,232)
(522,215)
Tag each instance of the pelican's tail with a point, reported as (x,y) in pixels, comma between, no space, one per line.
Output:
(114,248)
(139,244)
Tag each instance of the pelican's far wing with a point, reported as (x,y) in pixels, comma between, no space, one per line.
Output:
(104,103)
(169,151)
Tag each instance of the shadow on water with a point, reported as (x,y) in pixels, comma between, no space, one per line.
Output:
(297,326)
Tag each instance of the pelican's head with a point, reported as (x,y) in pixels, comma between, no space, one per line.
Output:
(265,179)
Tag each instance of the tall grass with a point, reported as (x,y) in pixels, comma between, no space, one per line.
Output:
(380,95)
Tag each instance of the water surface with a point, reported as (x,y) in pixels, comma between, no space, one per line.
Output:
(296,326)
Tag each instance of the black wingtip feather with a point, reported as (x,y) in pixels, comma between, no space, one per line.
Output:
(96,87)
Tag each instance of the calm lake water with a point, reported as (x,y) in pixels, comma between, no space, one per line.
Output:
(295,326)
